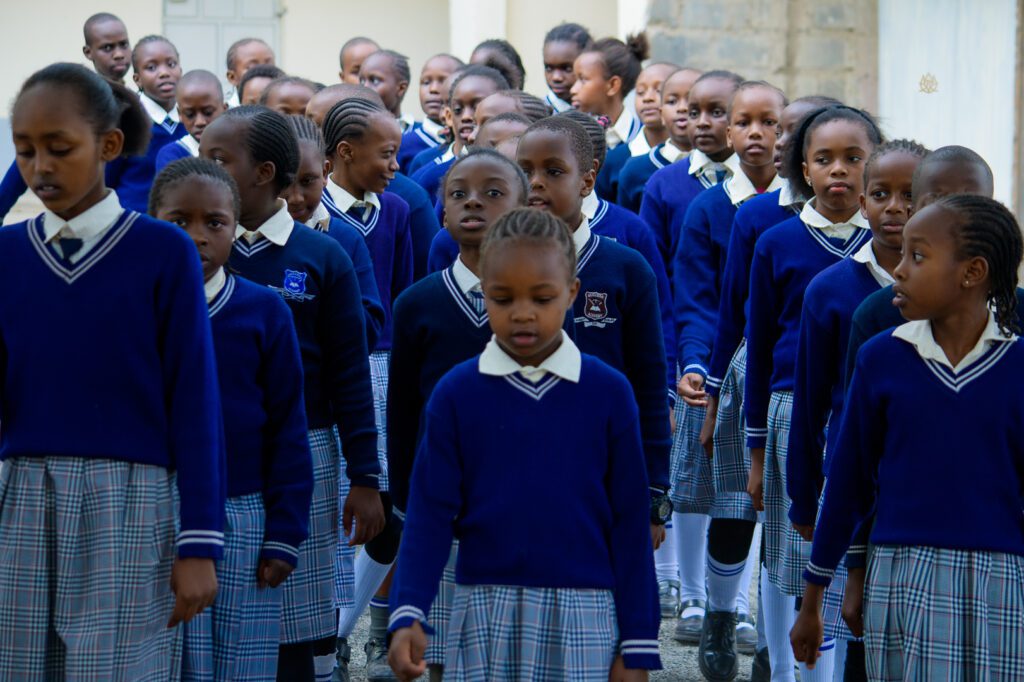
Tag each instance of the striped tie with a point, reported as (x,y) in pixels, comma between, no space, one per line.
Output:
(169,125)
(476,298)
(69,246)
(359,210)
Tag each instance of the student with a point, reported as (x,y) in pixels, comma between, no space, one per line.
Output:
(919,395)
(156,73)
(597,563)
(254,82)
(501,56)
(243,55)
(825,162)
(502,133)
(428,155)
(675,116)
(670,190)
(87,498)
(509,102)
(200,101)
(605,73)
(351,57)
(317,281)
(386,72)
(562,45)
(289,95)
(269,469)
(429,133)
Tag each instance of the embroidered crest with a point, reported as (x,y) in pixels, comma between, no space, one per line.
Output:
(295,282)
(595,310)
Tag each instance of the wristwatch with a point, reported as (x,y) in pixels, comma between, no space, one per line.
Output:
(661,508)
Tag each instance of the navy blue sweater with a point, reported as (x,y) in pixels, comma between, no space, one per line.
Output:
(786,259)
(423,158)
(317,281)
(423,223)
(414,141)
(260,374)
(132,176)
(169,154)
(485,434)
(634,176)
(607,183)
(667,195)
(11,189)
(914,433)
(93,367)
(352,242)
(429,176)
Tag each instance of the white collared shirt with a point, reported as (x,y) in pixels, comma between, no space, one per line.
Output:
(321,218)
(565,363)
(810,216)
(345,201)
(232,100)
(464,277)
(866,255)
(406,121)
(432,130)
(786,196)
(739,188)
(275,230)
(191,144)
(157,112)
(213,285)
(618,132)
(639,145)
(88,226)
(582,235)
(918,333)
(673,153)
(701,162)
(556,102)
(591,203)
(448,155)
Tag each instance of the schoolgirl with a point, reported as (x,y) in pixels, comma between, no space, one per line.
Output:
(289,95)
(501,56)
(200,99)
(433,89)
(243,55)
(562,45)
(386,72)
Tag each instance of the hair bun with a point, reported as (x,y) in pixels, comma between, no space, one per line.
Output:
(134,122)
(639,45)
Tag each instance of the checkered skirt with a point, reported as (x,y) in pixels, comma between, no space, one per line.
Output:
(86,547)
(237,638)
(379,377)
(693,491)
(308,607)
(344,555)
(441,611)
(500,632)
(944,614)
(731,465)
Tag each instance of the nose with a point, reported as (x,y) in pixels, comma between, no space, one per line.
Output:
(896,204)
(473,201)
(900,273)
(393,164)
(575,87)
(838,169)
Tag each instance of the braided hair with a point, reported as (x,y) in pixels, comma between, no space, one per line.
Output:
(268,137)
(900,146)
(173,174)
(594,130)
(986,229)
(569,33)
(349,119)
(307,131)
(493,75)
(482,153)
(534,108)
(511,67)
(527,225)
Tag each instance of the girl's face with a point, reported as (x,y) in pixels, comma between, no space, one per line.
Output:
(289,98)
(467,95)
(648,94)
(378,74)
(59,154)
(527,289)
(886,202)
(490,107)
(157,72)
(557,185)
(675,110)
(247,56)
(352,61)
(305,194)
(834,167)
(477,192)
(224,142)
(592,93)
(709,105)
(559,56)
(433,86)
(495,134)
(199,105)
(203,208)
(254,88)
(754,125)
(790,119)
(371,162)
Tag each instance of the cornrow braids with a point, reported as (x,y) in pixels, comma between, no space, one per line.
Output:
(527,225)
(349,119)
(287,80)
(570,33)
(900,146)
(178,171)
(595,131)
(146,40)
(493,75)
(520,179)
(534,108)
(306,131)
(269,137)
(986,229)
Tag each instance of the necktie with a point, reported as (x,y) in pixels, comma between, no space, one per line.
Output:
(169,125)
(69,246)
(720,176)
(359,210)
(476,298)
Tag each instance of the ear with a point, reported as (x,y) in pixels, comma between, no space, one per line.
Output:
(328,167)
(587,186)
(344,151)
(863,206)
(87,51)
(232,78)
(111,144)
(807,173)
(614,86)
(728,137)
(403,86)
(135,78)
(341,76)
(574,290)
(265,173)
(975,272)
(447,117)
(223,107)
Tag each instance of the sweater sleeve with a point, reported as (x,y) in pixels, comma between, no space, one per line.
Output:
(404,400)
(763,335)
(696,303)
(423,225)
(373,309)
(402,274)
(732,318)
(11,189)
(858,335)
(630,185)
(636,591)
(347,369)
(643,242)
(287,461)
(443,252)
(652,212)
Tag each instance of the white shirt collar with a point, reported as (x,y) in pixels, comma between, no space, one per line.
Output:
(213,286)
(918,333)
(321,218)
(432,130)
(639,145)
(556,102)
(565,363)
(786,196)
(810,217)
(345,201)
(191,144)
(582,235)
(406,121)
(156,112)
(619,131)
(232,100)
(87,225)
(276,230)
(866,255)
(739,188)
(591,203)
(464,277)
(673,153)
(699,162)
(447,156)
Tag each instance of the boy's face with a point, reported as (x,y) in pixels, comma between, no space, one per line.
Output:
(941,178)
(378,73)
(352,60)
(199,104)
(247,56)
(157,72)
(556,182)
(108,49)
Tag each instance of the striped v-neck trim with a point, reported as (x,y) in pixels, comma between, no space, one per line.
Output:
(585,254)
(364,228)
(859,237)
(479,320)
(248,250)
(534,390)
(955,381)
(599,214)
(70,272)
(223,296)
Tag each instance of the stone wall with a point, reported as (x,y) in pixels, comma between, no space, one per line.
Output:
(827,47)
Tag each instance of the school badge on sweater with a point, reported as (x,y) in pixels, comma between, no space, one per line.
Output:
(595,310)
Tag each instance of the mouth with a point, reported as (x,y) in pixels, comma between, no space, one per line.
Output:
(575,103)
(756,149)
(386,179)
(466,132)
(46,191)
(777,159)
(167,88)
(535,201)
(899,298)
(650,112)
(838,188)
(523,339)
(893,227)
(472,223)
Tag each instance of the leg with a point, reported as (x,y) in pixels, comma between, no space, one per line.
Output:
(728,548)
(691,541)
(666,566)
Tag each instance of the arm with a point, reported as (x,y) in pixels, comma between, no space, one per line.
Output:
(443,252)
(11,189)
(652,212)
(373,309)
(694,272)
(423,225)
(643,241)
(763,334)
(405,404)
(402,274)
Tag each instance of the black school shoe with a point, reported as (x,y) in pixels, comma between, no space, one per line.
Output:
(344,654)
(717,653)
(761,670)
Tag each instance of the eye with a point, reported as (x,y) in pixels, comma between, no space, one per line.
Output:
(26,153)
(543,300)
(495,193)
(499,300)
(855,159)
(718,112)
(457,194)
(879,194)
(60,151)
(917,256)
(216,224)
(555,172)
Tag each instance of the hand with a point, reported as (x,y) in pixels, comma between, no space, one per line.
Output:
(691,389)
(809,630)
(620,673)
(804,531)
(755,481)
(405,655)
(194,584)
(658,534)
(272,572)
(853,601)
(363,504)
(707,429)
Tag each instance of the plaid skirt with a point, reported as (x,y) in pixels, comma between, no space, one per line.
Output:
(693,491)
(86,547)
(344,555)
(944,614)
(308,607)
(441,611)
(500,632)
(731,465)
(733,506)
(379,377)
(237,638)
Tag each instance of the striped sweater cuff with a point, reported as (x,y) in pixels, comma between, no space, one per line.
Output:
(816,575)
(205,544)
(641,654)
(756,437)
(282,551)
(857,556)
(695,368)
(405,616)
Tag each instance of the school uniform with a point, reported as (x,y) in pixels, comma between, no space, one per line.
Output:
(12,186)
(316,279)
(184,148)
(420,136)
(588,592)
(132,176)
(269,480)
(618,137)
(639,168)
(425,157)
(103,432)
(405,122)
(233,99)
(786,259)
(555,102)
(945,581)
(423,223)
(430,174)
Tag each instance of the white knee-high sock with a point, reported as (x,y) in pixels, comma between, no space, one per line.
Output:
(691,545)
(666,561)
(723,584)
(840,662)
(369,576)
(743,600)
(762,641)
(779,613)
(824,668)
(323,667)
